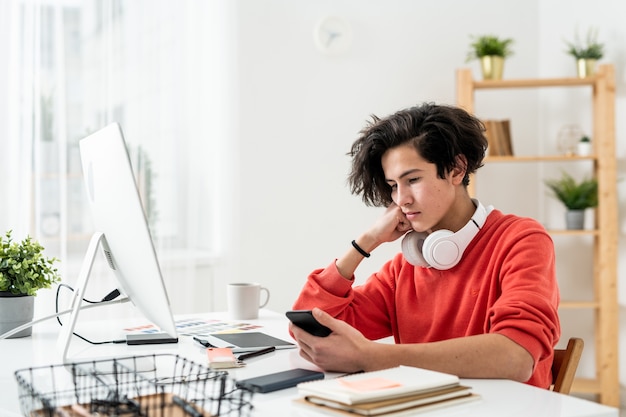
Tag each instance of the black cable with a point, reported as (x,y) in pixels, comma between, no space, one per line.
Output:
(109,297)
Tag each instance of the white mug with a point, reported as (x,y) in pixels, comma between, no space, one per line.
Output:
(244,300)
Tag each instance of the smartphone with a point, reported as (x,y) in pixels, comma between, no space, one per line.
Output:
(304,319)
(280,380)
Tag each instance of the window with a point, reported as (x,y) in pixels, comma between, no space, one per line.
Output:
(155,67)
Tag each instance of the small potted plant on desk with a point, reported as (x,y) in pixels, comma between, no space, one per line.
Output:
(491,51)
(576,196)
(23,271)
(586,53)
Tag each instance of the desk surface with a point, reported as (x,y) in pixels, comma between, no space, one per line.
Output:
(499,397)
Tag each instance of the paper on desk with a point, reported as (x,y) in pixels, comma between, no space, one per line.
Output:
(221,358)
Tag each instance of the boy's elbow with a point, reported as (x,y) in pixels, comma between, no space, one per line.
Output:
(522,367)
(523,374)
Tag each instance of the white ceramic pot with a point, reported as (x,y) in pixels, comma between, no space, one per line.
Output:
(584,148)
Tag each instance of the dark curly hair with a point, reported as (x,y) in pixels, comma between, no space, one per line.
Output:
(439,133)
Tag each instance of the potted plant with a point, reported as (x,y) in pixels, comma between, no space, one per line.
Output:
(584,146)
(23,271)
(491,50)
(576,196)
(586,52)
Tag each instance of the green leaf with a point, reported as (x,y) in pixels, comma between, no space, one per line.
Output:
(574,195)
(590,48)
(487,45)
(23,267)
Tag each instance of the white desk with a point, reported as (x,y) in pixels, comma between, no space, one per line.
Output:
(499,397)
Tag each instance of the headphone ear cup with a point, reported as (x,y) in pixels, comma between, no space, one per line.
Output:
(440,251)
(412,248)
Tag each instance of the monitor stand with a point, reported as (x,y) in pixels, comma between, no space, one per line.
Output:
(67,330)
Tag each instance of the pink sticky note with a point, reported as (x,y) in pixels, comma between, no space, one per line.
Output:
(369,384)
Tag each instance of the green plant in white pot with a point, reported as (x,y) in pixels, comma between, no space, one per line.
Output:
(584,146)
(23,271)
(576,196)
(491,51)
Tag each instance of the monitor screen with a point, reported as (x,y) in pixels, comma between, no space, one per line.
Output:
(121,231)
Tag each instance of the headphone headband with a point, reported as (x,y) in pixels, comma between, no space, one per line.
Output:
(476,222)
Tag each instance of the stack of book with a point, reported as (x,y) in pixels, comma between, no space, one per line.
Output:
(498,134)
(399,391)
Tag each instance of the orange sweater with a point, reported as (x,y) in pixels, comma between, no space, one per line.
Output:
(505,283)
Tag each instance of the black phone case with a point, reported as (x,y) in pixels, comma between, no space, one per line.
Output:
(305,320)
(279,380)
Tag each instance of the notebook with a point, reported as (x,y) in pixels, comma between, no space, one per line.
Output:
(422,401)
(379,385)
(399,411)
(247,341)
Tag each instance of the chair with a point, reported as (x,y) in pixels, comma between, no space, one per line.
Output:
(565,364)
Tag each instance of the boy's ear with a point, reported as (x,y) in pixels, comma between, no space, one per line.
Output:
(457,174)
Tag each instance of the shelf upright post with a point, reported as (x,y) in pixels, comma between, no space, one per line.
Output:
(605,266)
(465,99)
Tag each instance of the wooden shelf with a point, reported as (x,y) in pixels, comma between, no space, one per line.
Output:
(584,232)
(535,83)
(579,304)
(586,386)
(547,158)
(604,305)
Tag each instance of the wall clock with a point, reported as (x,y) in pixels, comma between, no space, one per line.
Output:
(333,35)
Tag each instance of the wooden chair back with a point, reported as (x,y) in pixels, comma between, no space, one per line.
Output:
(565,364)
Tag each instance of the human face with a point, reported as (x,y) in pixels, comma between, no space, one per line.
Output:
(425,199)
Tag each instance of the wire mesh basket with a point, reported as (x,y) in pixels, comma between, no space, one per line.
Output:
(161,385)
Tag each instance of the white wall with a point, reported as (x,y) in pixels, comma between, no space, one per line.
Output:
(299,111)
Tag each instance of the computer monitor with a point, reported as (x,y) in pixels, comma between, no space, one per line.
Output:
(123,234)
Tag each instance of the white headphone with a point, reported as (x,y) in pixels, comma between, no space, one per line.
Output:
(443,249)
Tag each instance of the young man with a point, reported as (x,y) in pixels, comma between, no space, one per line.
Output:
(479,296)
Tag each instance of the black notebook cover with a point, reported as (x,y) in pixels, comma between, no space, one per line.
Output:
(279,380)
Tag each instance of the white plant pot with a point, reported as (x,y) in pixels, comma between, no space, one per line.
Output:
(584,148)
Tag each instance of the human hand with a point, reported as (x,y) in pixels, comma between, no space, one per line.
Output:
(391,225)
(341,351)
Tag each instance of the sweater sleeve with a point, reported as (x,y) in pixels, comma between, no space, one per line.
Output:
(526,312)
(328,290)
